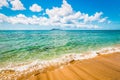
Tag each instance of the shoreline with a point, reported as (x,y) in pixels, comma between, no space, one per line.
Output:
(40,67)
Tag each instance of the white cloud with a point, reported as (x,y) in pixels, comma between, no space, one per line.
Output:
(35,8)
(95,17)
(3,3)
(3,18)
(103,20)
(64,10)
(63,16)
(17,5)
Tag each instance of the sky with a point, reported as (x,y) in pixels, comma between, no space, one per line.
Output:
(63,14)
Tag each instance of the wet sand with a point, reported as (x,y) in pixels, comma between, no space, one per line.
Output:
(102,67)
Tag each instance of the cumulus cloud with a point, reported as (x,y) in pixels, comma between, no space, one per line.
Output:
(22,19)
(63,16)
(95,17)
(64,10)
(17,5)
(3,3)
(35,8)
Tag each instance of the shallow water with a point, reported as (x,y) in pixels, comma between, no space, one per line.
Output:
(18,46)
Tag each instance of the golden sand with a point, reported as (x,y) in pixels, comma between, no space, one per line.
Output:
(102,67)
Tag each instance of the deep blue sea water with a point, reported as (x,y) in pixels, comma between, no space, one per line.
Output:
(47,44)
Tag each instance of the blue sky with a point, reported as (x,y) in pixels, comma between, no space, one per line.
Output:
(65,14)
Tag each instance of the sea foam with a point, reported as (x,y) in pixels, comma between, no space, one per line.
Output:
(65,59)
(41,66)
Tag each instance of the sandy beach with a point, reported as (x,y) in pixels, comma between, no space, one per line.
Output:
(101,67)
(59,40)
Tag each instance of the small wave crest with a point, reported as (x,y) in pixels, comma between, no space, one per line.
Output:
(39,66)
(65,59)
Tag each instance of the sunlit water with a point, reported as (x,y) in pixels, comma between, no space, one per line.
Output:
(18,46)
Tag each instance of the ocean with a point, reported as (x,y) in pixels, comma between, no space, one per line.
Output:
(28,45)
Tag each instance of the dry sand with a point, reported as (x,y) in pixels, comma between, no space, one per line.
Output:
(102,67)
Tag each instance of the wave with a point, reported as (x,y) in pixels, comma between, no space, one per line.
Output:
(58,62)
(38,66)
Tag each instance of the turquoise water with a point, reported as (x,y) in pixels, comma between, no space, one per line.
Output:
(31,45)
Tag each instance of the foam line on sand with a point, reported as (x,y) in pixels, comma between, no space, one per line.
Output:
(76,65)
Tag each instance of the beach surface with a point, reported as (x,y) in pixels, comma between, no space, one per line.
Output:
(101,67)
